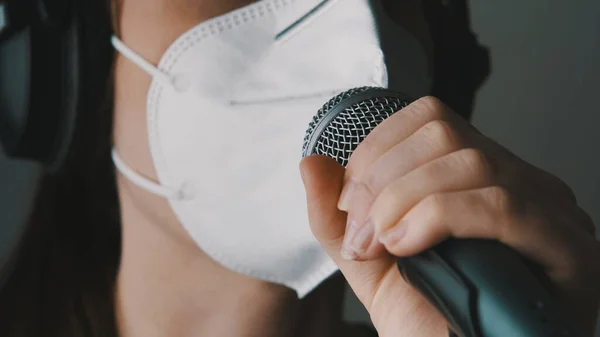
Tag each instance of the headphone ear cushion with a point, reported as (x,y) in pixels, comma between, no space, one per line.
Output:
(13,17)
(41,65)
(14,90)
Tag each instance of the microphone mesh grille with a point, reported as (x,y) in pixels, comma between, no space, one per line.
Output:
(350,126)
(326,108)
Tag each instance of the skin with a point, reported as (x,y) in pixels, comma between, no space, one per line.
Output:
(168,287)
(424,175)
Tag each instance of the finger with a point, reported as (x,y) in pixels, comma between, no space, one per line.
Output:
(394,130)
(323,178)
(359,208)
(438,138)
(569,257)
(493,213)
(462,170)
(394,306)
(434,140)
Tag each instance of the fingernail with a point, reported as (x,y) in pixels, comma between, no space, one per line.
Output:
(393,235)
(363,238)
(351,227)
(346,195)
(347,252)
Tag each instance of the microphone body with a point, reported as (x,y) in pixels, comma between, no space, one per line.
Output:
(482,287)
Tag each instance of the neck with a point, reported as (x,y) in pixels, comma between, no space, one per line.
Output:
(170,288)
(166,285)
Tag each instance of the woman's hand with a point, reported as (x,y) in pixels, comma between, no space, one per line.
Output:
(424,175)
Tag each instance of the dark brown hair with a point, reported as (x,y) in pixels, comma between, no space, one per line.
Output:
(62,274)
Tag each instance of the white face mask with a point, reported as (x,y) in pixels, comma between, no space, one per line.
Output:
(227,111)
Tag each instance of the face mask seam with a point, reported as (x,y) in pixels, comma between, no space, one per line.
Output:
(216,27)
(224,260)
(323,272)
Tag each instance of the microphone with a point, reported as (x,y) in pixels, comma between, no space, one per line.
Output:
(482,287)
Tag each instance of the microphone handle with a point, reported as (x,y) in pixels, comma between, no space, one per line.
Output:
(485,289)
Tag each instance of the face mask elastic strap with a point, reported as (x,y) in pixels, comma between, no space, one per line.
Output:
(137,59)
(304,21)
(147,184)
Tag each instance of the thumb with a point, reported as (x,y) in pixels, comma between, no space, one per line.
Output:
(395,307)
(323,179)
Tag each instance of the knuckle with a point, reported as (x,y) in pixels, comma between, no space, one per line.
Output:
(477,163)
(431,106)
(502,200)
(396,191)
(373,180)
(435,206)
(441,133)
(507,209)
(359,157)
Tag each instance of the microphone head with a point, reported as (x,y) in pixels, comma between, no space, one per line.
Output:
(347,119)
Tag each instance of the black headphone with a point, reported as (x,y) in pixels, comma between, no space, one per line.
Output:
(40,78)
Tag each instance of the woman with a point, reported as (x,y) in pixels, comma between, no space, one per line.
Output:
(87,276)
